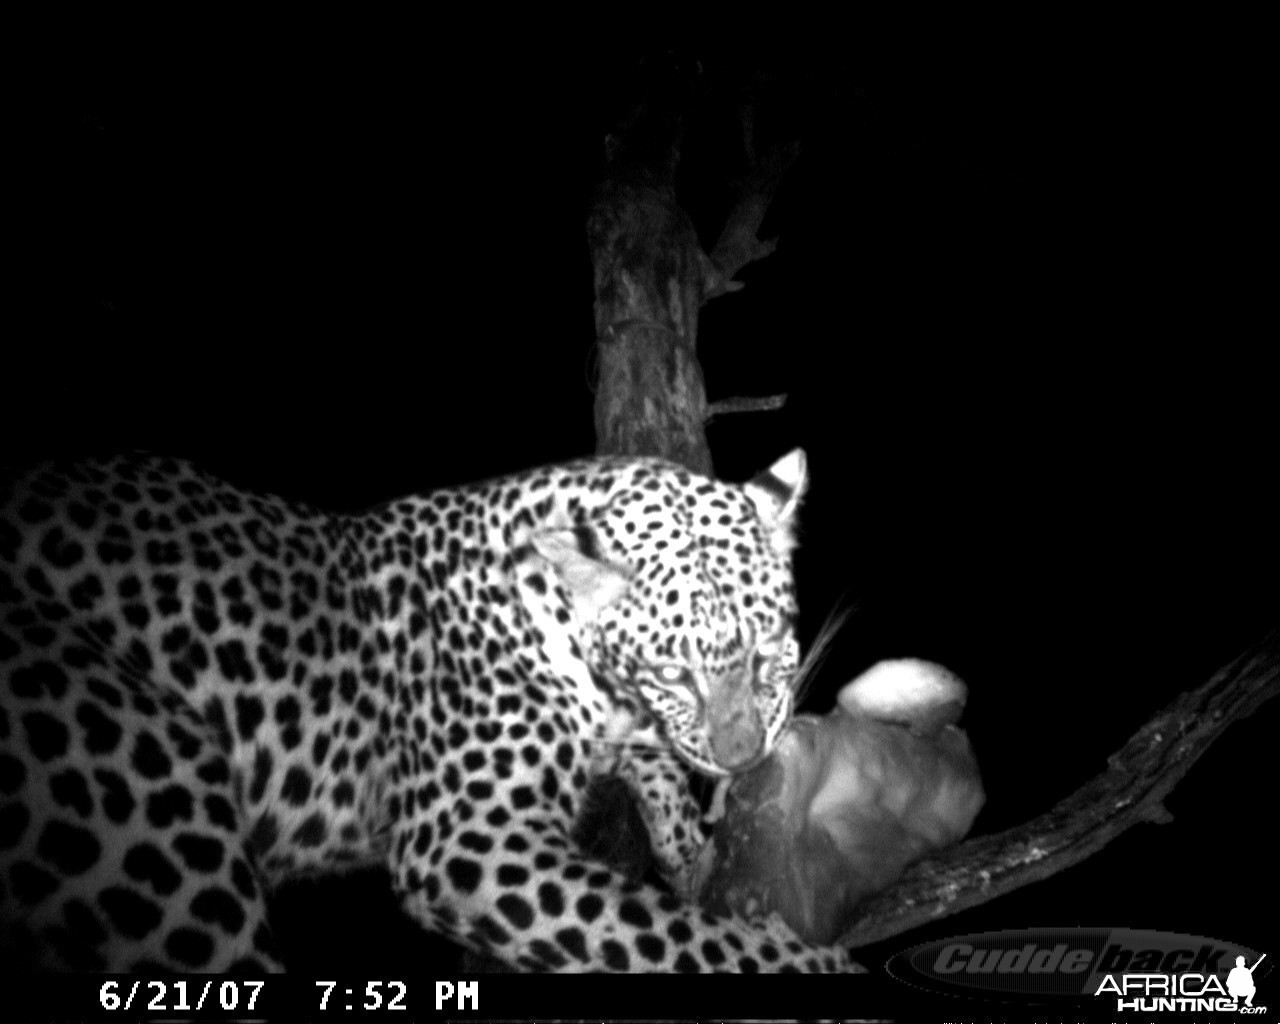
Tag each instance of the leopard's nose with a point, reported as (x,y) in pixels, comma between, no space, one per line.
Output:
(737,741)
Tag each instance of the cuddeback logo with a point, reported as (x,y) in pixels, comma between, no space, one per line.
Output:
(1140,971)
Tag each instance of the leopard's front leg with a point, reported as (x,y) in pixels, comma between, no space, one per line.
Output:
(522,892)
(677,823)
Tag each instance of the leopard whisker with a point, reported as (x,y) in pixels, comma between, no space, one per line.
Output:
(820,650)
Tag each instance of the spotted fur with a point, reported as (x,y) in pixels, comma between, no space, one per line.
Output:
(205,691)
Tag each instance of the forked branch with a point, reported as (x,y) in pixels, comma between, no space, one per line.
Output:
(739,243)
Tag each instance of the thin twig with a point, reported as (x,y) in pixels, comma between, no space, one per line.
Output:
(746,403)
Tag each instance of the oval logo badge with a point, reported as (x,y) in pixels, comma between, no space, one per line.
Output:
(1140,971)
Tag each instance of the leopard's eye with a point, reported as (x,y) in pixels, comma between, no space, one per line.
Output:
(670,673)
(773,645)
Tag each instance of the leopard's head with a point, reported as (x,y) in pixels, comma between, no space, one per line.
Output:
(687,600)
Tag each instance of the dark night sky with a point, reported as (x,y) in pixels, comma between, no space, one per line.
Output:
(1017,305)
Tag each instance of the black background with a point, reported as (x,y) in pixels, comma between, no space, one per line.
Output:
(1018,307)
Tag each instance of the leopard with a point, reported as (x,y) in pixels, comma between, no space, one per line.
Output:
(208,691)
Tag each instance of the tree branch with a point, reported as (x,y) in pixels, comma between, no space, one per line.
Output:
(1132,790)
(738,244)
(745,403)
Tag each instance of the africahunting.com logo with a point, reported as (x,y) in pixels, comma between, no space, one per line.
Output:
(1185,991)
(1132,971)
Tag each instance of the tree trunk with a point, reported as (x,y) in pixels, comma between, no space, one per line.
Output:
(649,286)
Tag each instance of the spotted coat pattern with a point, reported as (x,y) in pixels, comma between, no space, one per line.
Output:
(204,691)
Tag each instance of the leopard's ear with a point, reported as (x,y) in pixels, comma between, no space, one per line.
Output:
(593,582)
(776,494)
